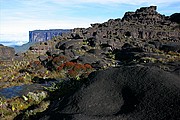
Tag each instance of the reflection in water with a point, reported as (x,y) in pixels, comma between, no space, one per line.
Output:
(19,90)
(11,91)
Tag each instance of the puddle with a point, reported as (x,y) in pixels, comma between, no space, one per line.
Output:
(17,91)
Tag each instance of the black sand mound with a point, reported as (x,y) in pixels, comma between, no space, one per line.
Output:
(133,93)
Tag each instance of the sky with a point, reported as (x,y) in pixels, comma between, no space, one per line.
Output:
(18,17)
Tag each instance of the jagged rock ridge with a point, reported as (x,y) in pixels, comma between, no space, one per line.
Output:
(141,32)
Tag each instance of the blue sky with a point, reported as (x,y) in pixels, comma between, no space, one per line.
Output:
(18,17)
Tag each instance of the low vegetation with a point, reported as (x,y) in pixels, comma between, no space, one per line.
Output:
(35,71)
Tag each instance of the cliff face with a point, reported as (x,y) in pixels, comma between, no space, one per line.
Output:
(44,35)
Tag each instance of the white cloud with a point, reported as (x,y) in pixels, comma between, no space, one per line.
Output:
(13,37)
(18,30)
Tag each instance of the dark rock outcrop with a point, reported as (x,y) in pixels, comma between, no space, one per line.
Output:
(128,39)
(175,47)
(175,17)
(133,93)
(143,24)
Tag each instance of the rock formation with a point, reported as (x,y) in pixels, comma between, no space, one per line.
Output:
(175,17)
(145,31)
(146,23)
(133,93)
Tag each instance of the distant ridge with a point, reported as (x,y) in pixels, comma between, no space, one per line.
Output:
(23,48)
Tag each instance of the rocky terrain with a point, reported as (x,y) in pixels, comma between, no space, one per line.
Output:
(125,68)
(152,38)
(6,52)
(120,94)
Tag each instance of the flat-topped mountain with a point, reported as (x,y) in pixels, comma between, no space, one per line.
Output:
(44,35)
